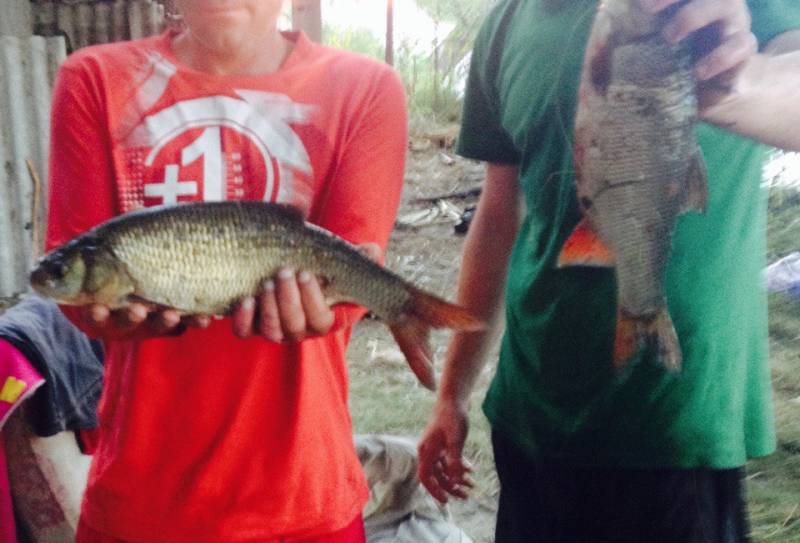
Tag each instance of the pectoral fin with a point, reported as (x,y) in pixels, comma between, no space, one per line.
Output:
(697,186)
(584,248)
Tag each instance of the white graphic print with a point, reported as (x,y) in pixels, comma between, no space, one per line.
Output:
(217,148)
(157,73)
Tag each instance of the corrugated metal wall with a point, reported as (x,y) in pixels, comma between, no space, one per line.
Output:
(87,22)
(27,69)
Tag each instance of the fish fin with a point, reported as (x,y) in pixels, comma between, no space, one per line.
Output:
(657,332)
(287,211)
(627,340)
(697,186)
(584,248)
(412,337)
(662,336)
(422,312)
(600,67)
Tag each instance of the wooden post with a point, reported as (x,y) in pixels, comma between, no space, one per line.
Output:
(307,16)
(389,55)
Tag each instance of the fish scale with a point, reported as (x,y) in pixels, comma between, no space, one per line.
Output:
(637,168)
(243,247)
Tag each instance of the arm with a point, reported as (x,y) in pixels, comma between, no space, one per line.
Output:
(481,282)
(764,103)
(741,89)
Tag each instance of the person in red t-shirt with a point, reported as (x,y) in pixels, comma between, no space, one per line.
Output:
(236,429)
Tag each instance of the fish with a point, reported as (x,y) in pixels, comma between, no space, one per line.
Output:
(203,258)
(638,168)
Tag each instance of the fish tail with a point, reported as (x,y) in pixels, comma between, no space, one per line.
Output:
(661,333)
(412,331)
(633,333)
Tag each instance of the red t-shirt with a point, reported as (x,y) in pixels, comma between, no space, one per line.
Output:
(206,437)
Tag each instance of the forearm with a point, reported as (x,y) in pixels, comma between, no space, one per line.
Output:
(482,280)
(765,102)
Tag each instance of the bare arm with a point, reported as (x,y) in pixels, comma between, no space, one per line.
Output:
(482,277)
(442,469)
(752,93)
(765,101)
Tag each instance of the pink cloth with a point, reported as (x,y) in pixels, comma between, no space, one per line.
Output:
(18,380)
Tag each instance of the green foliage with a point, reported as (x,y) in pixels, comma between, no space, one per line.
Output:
(429,94)
(358,40)
(434,83)
(433,73)
(783,230)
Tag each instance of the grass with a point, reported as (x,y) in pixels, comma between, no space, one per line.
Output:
(774,482)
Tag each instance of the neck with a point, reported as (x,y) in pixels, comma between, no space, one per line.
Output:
(232,54)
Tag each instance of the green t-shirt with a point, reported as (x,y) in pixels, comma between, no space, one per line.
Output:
(555,392)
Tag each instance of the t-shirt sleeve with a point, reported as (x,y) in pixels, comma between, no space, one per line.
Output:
(80,173)
(773,17)
(360,201)
(482,135)
(80,170)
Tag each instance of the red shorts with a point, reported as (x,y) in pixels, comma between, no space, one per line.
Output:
(354,533)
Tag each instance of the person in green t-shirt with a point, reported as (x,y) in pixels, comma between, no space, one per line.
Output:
(584,453)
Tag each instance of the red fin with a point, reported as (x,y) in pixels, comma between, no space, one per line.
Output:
(584,248)
(412,338)
(627,340)
(657,332)
(423,312)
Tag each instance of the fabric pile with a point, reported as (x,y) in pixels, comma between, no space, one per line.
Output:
(50,382)
(784,275)
(400,510)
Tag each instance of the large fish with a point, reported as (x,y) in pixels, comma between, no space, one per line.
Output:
(637,167)
(203,258)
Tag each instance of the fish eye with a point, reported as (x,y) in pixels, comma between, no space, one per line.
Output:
(56,269)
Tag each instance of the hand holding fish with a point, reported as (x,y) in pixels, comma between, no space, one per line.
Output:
(291,307)
(724,41)
(746,87)
(137,321)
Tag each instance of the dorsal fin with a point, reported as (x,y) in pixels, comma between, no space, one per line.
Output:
(287,211)
(696,185)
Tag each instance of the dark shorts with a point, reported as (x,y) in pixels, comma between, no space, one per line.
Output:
(544,501)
